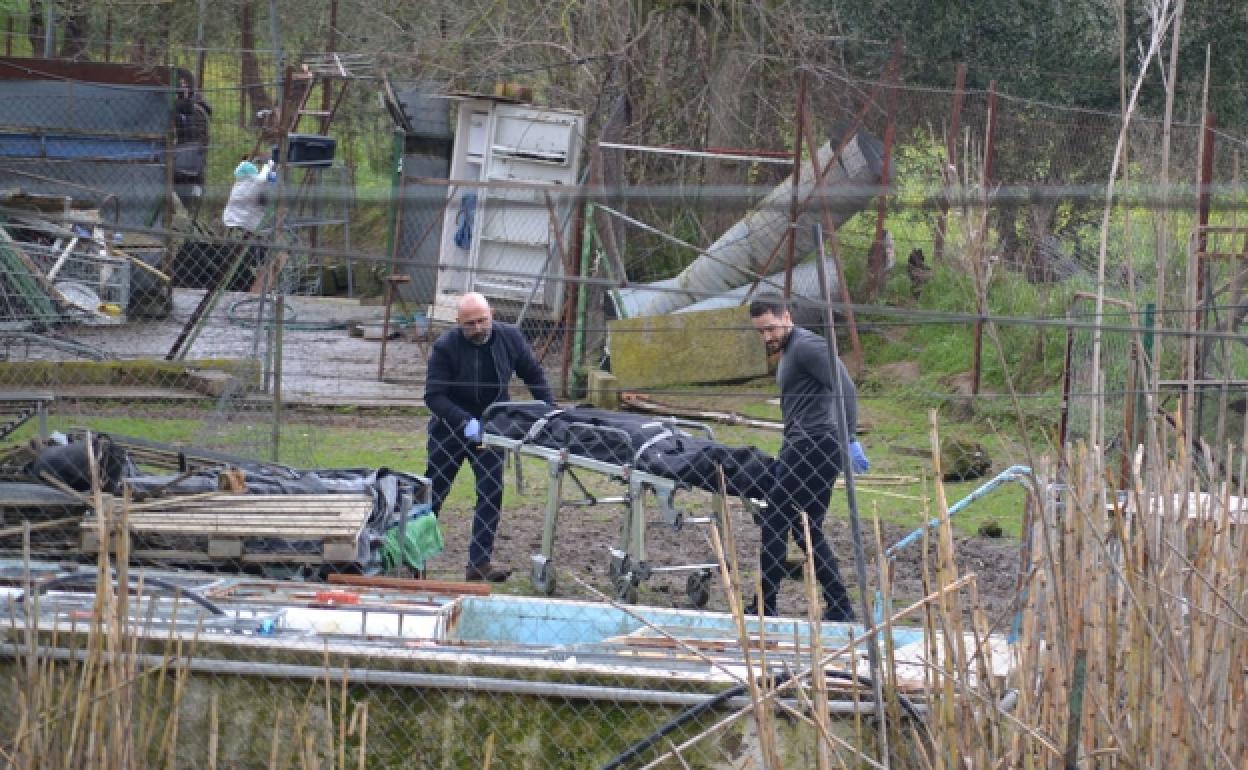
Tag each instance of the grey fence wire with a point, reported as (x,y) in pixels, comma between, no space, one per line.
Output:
(241,482)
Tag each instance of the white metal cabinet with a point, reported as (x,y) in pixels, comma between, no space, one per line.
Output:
(511,166)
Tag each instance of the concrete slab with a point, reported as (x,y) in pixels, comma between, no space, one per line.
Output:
(321,363)
(686,348)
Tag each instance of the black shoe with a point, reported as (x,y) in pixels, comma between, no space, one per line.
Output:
(486,572)
(838,615)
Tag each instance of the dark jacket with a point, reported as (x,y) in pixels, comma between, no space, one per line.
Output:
(456,392)
(808,390)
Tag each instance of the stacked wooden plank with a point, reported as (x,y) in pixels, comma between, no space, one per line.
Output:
(254,529)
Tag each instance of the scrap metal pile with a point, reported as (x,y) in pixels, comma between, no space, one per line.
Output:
(182,506)
(62,263)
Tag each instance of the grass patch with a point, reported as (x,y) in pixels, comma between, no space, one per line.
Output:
(897,444)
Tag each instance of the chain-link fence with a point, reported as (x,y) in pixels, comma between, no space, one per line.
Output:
(227,414)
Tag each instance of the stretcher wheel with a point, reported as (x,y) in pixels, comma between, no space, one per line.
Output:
(544,579)
(698,588)
(618,565)
(625,590)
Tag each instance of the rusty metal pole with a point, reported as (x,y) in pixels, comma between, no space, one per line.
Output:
(108,34)
(794,203)
(980,301)
(331,45)
(200,54)
(951,161)
(855,358)
(1202,213)
(1196,347)
(851,500)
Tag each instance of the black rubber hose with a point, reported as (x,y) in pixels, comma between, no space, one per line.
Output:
(693,712)
(87,577)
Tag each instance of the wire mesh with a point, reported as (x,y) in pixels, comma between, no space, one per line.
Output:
(259,381)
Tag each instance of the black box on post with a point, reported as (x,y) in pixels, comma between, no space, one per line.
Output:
(308,150)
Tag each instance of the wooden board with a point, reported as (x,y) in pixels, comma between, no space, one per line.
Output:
(218,527)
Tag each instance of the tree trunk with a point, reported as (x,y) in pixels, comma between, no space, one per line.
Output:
(249,68)
(730,106)
(34,28)
(77,33)
(1011,245)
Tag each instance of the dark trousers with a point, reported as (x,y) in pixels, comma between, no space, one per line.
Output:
(447,452)
(801,479)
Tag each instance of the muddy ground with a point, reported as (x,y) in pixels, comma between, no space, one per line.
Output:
(583,537)
(585,534)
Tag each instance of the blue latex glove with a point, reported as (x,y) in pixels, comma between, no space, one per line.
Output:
(472,430)
(858,458)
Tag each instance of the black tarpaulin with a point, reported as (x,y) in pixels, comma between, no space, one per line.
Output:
(644,442)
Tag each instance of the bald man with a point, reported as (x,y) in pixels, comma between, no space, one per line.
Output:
(469,369)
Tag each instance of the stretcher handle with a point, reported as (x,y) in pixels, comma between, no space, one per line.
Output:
(692,424)
(500,405)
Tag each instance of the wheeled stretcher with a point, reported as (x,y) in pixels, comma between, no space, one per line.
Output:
(648,456)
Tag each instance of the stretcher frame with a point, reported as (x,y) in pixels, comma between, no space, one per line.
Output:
(628,565)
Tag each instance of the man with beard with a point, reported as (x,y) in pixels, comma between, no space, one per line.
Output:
(469,369)
(814,397)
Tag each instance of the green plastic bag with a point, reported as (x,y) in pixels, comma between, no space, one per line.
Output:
(413,543)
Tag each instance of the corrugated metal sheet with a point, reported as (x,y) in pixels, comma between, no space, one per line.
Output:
(139,188)
(80,147)
(96,132)
(86,108)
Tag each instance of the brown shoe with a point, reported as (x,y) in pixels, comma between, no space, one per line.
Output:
(487,572)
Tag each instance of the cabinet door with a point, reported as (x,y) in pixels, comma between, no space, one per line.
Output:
(531,156)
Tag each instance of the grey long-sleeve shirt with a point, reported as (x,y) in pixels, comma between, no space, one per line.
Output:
(808,394)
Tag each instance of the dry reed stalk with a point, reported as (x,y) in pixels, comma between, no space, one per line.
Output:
(488,749)
(328,692)
(945,707)
(733,595)
(1152,597)
(363,753)
(819,680)
(888,653)
(170,743)
(277,737)
(214,730)
(308,759)
(986,722)
(342,722)
(792,682)
(677,756)
(726,555)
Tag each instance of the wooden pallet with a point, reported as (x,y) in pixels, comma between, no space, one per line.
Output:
(246,528)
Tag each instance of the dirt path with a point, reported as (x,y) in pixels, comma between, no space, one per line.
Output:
(583,537)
